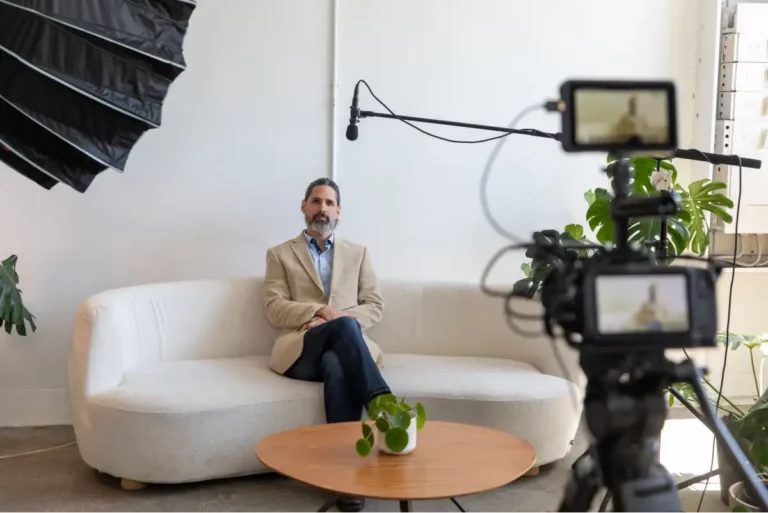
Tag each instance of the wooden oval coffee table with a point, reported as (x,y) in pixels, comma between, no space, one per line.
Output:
(450,460)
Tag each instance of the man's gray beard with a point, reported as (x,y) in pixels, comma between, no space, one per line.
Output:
(321,226)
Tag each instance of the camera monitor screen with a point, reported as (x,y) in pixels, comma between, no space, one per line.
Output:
(641,303)
(638,117)
(618,115)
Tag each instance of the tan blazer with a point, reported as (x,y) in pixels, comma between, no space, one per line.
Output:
(293,293)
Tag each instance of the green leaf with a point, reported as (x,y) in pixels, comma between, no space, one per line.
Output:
(599,216)
(671,400)
(367,432)
(526,268)
(759,449)
(383,400)
(382,424)
(363,447)
(421,416)
(392,408)
(699,199)
(12,309)
(396,439)
(402,420)
(733,340)
(590,197)
(576,231)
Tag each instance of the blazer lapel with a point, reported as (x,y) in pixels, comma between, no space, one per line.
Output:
(302,252)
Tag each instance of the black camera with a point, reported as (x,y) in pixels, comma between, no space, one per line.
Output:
(617,303)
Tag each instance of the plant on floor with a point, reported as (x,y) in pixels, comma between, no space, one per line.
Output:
(12,309)
(392,419)
(749,427)
(687,230)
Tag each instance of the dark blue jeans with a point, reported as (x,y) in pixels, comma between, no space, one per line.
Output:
(336,355)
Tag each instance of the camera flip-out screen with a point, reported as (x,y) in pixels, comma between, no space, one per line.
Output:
(619,116)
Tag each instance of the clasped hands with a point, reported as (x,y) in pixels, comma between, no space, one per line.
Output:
(326,313)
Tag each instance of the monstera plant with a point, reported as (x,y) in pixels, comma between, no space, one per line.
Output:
(12,309)
(686,230)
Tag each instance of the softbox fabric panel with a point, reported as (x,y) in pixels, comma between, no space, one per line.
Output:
(153,27)
(48,153)
(82,81)
(67,56)
(100,131)
(24,168)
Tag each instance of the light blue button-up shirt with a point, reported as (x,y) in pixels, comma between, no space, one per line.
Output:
(323,260)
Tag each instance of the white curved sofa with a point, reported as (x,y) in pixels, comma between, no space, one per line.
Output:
(170,382)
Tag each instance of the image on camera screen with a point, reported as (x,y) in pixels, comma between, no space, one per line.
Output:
(636,117)
(641,303)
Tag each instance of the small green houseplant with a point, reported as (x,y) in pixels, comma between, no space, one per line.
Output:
(12,309)
(397,422)
(687,230)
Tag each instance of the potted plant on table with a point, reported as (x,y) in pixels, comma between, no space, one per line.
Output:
(396,421)
(12,309)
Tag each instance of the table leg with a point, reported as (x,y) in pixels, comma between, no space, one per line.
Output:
(458,505)
(329,504)
(405,506)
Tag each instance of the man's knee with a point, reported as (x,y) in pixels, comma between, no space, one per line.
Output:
(346,325)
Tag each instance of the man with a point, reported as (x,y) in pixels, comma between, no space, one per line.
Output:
(632,127)
(650,315)
(323,293)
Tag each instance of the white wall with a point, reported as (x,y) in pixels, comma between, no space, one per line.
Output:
(247,126)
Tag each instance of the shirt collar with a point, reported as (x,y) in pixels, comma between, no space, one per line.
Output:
(311,240)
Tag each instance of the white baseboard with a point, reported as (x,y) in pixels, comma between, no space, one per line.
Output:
(34,407)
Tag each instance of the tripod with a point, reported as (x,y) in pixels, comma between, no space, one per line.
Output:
(625,410)
(625,407)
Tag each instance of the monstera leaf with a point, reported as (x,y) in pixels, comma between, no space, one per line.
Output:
(12,310)
(687,228)
(700,198)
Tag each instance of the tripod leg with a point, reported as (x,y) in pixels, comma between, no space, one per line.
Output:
(656,492)
(584,484)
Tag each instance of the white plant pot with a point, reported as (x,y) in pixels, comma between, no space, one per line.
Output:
(412,431)
(736,496)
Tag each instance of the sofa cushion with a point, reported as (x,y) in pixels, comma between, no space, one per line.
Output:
(464,377)
(216,384)
(202,385)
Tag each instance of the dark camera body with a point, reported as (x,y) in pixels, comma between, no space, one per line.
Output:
(576,298)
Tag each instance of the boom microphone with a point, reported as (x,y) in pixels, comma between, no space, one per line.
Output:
(354,116)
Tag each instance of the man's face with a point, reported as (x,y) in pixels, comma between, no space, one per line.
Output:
(321,211)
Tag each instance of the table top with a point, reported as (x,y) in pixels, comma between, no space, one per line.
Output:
(450,460)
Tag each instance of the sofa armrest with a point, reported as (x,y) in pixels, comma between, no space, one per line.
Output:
(103,347)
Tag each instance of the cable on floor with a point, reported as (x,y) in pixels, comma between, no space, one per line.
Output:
(9,456)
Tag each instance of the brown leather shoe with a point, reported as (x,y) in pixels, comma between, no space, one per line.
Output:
(349,503)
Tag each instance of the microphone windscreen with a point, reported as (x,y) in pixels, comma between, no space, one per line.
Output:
(352,133)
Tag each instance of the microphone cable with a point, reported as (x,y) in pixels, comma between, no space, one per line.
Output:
(529,131)
(727,326)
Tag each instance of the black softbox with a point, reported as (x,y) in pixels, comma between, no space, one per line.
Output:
(82,80)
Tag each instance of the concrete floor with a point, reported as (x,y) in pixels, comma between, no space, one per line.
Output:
(58,480)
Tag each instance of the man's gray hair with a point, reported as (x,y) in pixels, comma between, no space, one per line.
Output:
(324,181)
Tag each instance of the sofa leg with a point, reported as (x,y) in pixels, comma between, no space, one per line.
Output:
(533,471)
(130,484)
